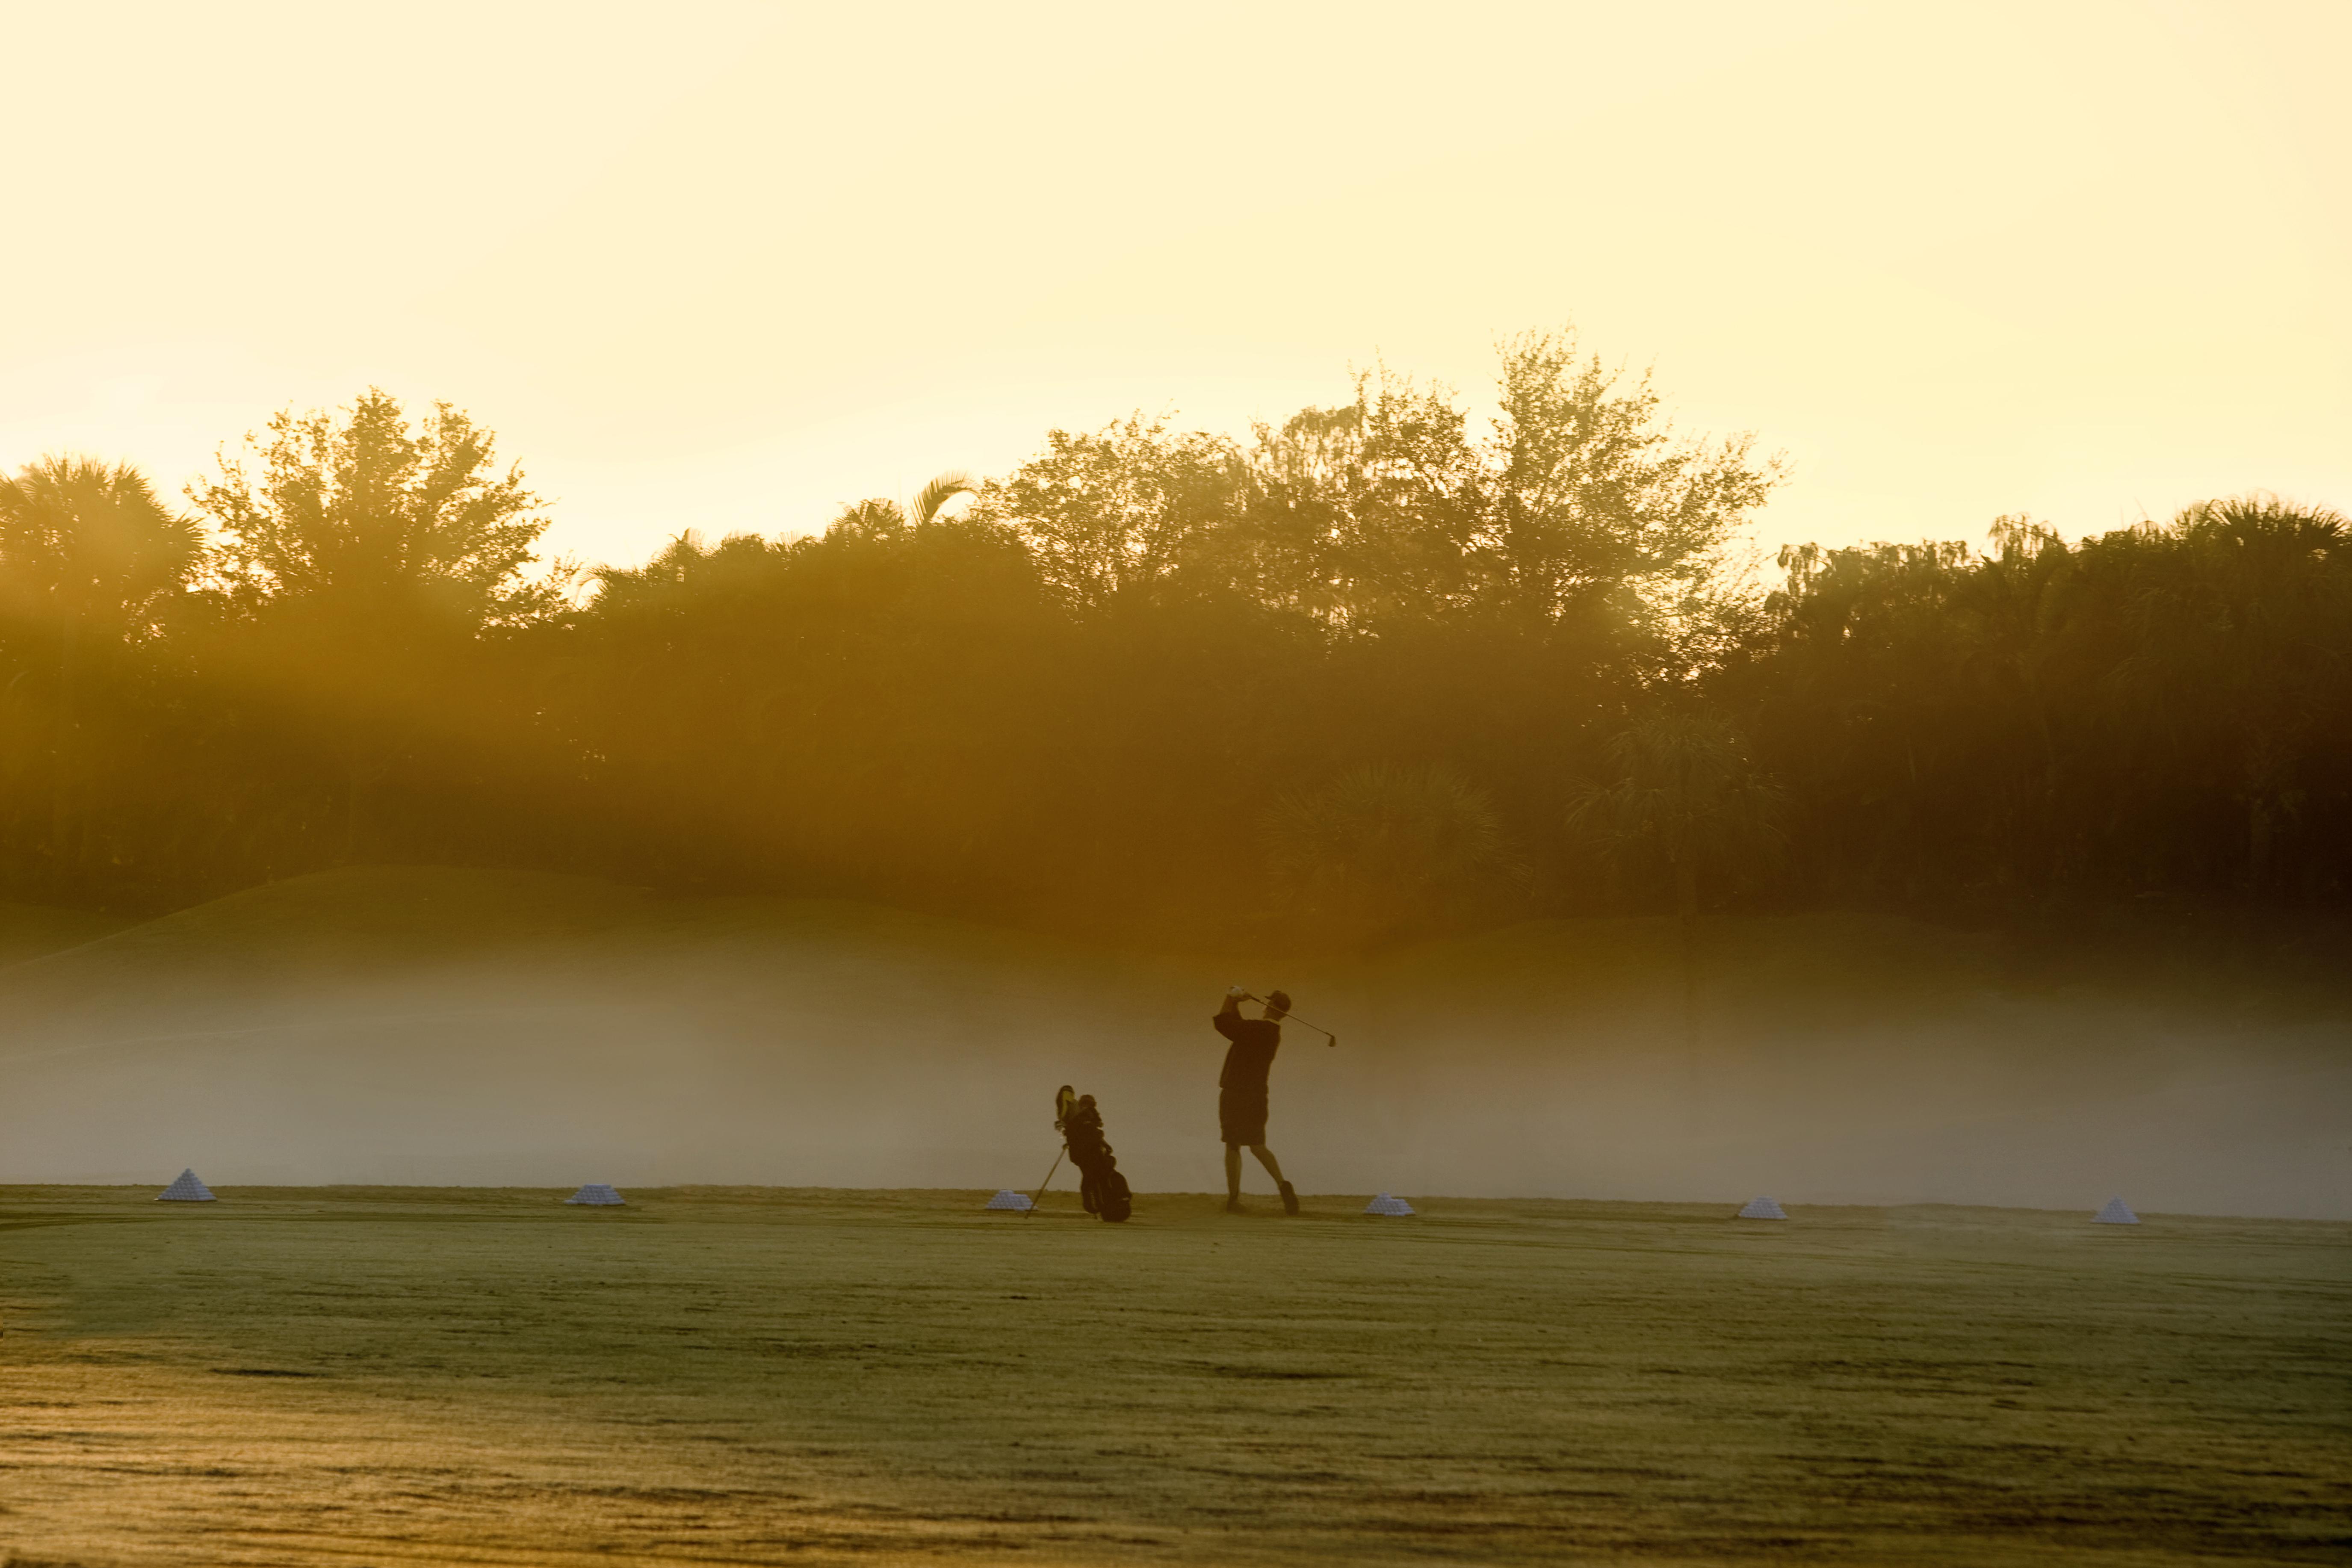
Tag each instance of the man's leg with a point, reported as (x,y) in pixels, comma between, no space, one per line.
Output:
(1233,1176)
(1266,1157)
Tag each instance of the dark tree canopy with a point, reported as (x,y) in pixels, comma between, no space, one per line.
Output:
(88,545)
(365,513)
(1374,670)
(1581,504)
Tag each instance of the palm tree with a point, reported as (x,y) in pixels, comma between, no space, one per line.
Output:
(1685,794)
(87,554)
(882,518)
(924,509)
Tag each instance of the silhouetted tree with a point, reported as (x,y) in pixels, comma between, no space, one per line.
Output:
(362,513)
(881,519)
(1368,515)
(1685,798)
(367,555)
(1070,700)
(2241,646)
(88,553)
(1594,497)
(1126,512)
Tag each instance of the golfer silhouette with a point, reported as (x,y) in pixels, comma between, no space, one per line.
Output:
(1242,1091)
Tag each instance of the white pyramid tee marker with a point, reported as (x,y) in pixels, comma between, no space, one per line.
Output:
(1006,1198)
(2117,1212)
(596,1192)
(1763,1208)
(187,1189)
(1387,1205)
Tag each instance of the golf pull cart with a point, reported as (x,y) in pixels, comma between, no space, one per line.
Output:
(1100,1186)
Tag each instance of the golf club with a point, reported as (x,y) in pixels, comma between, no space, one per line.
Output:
(1047,1183)
(1065,1099)
(1329,1037)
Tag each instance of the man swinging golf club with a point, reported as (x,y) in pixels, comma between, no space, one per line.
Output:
(1241,1091)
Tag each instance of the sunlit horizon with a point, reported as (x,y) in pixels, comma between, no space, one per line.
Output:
(2087,265)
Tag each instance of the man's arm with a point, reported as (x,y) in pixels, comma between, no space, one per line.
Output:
(1230,1014)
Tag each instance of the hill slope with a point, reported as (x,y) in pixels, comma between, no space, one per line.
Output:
(426,1025)
(34,930)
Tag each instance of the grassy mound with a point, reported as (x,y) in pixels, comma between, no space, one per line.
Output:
(35,931)
(335,922)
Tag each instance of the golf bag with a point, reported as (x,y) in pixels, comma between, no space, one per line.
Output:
(1100,1186)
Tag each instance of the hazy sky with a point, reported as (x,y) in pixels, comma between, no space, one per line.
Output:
(726,266)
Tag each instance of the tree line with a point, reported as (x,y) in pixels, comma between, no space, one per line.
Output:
(1370,672)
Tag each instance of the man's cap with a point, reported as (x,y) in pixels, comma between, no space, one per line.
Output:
(1278,1000)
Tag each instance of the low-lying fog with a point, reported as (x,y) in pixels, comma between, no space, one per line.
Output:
(806,1044)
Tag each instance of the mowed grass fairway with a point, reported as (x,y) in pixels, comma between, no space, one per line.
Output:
(372,1375)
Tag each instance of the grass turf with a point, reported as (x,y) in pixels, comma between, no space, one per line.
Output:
(370,1375)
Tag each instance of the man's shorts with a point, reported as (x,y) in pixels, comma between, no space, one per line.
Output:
(1241,1115)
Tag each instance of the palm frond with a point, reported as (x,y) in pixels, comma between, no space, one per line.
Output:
(942,489)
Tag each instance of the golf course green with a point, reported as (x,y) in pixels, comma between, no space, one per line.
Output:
(353,1375)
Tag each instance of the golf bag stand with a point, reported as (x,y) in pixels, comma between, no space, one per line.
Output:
(1100,1186)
